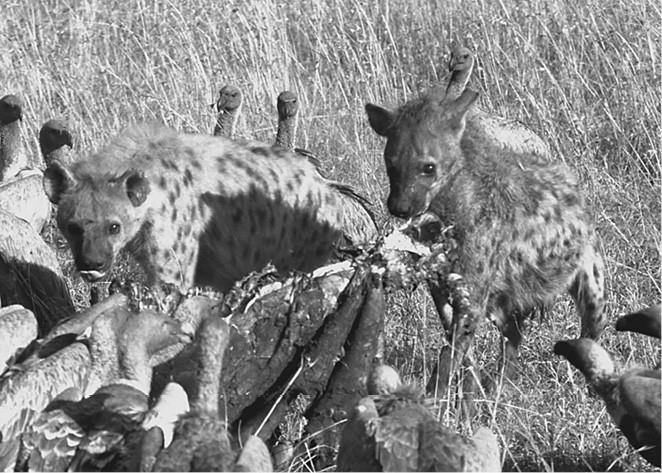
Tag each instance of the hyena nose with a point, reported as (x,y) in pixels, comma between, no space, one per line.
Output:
(400,213)
(92,264)
(398,208)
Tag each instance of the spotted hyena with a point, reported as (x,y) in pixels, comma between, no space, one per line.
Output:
(194,210)
(520,222)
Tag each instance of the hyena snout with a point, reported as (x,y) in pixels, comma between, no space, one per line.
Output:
(403,207)
(87,263)
(93,263)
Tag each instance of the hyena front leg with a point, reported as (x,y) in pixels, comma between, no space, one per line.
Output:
(511,324)
(460,332)
(438,382)
(440,297)
(587,289)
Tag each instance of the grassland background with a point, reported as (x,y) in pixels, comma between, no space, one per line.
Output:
(584,75)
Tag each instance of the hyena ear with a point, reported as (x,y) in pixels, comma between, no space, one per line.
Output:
(137,187)
(57,179)
(460,106)
(381,119)
(464,102)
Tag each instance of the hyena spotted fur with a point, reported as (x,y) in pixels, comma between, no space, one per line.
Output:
(520,222)
(195,210)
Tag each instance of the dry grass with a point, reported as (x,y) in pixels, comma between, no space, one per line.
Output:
(585,75)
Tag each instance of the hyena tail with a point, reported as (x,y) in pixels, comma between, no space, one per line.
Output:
(588,291)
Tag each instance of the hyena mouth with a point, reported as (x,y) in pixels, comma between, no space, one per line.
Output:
(92,275)
(425,227)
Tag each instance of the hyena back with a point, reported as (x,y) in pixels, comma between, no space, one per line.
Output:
(522,229)
(194,210)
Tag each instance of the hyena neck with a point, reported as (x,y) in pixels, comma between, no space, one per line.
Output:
(493,184)
(455,205)
(141,246)
(485,184)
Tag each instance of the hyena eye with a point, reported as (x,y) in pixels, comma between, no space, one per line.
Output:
(114,228)
(428,169)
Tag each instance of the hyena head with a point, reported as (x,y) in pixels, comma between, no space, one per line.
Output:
(98,215)
(422,148)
